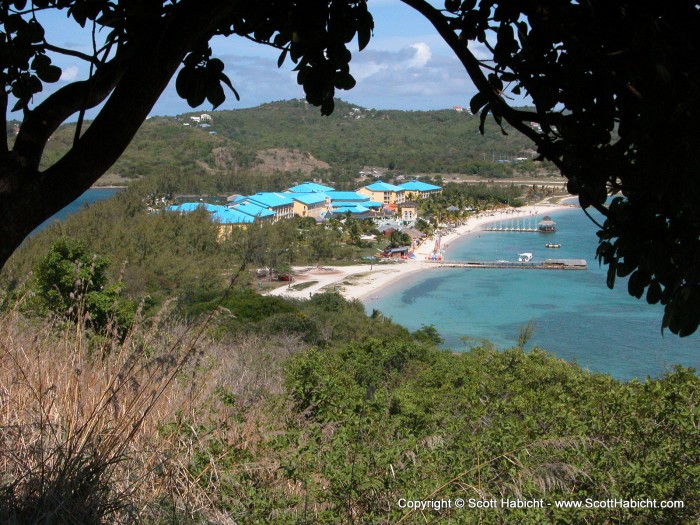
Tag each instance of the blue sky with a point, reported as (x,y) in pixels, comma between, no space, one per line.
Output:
(405,66)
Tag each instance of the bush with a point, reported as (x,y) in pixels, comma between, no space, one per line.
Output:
(72,283)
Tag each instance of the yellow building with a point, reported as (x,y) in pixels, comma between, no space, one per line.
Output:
(420,190)
(384,193)
(309,204)
(409,211)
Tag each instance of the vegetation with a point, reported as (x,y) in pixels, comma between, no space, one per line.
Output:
(210,403)
(72,284)
(300,411)
(327,415)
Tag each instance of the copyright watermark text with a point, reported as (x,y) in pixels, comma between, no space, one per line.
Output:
(507,503)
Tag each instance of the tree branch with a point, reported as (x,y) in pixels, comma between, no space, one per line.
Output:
(40,123)
(4,151)
(472,65)
(161,47)
(70,52)
(516,118)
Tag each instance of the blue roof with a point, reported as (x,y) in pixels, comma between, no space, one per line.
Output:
(352,209)
(416,185)
(309,187)
(230,216)
(253,210)
(270,199)
(308,198)
(383,186)
(187,207)
(346,196)
(366,204)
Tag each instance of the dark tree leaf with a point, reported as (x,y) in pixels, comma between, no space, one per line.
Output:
(215,94)
(477,102)
(49,73)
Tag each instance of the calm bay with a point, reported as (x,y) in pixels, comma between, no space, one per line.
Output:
(576,317)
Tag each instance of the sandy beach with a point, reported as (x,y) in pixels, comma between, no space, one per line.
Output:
(365,281)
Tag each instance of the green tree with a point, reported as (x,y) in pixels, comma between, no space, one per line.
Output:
(353,229)
(399,238)
(320,244)
(73,284)
(428,334)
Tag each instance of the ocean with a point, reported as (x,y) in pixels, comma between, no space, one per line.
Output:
(90,196)
(576,317)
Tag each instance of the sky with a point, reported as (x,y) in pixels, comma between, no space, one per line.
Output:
(405,66)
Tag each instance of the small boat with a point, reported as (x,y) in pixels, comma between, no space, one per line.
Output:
(524,257)
(552,245)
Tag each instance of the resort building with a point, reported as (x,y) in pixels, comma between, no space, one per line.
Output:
(416,189)
(409,211)
(346,196)
(310,204)
(309,187)
(279,203)
(376,201)
(258,213)
(383,192)
(226,218)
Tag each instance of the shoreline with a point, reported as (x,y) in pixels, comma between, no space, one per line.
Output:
(364,282)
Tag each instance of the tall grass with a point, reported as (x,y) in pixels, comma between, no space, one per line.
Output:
(96,430)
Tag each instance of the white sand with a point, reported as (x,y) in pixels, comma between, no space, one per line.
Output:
(365,281)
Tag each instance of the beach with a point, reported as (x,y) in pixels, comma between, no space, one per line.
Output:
(365,281)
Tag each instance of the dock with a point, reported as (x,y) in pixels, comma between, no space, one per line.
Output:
(547,264)
(514,229)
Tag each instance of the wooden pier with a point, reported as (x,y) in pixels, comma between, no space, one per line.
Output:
(498,229)
(547,264)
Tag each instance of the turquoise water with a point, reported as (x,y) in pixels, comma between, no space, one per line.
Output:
(90,196)
(576,316)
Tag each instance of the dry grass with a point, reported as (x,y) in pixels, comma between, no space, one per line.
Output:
(98,433)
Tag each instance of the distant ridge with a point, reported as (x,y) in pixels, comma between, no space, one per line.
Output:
(353,137)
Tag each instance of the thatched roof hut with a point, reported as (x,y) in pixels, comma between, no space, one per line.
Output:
(546,224)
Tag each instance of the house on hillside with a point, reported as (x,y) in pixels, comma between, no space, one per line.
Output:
(416,189)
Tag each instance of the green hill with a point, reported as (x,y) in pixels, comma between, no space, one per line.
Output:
(284,142)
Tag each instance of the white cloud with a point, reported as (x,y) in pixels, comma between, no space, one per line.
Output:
(69,73)
(421,57)
(363,70)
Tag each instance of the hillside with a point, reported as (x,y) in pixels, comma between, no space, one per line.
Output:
(291,136)
(353,137)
